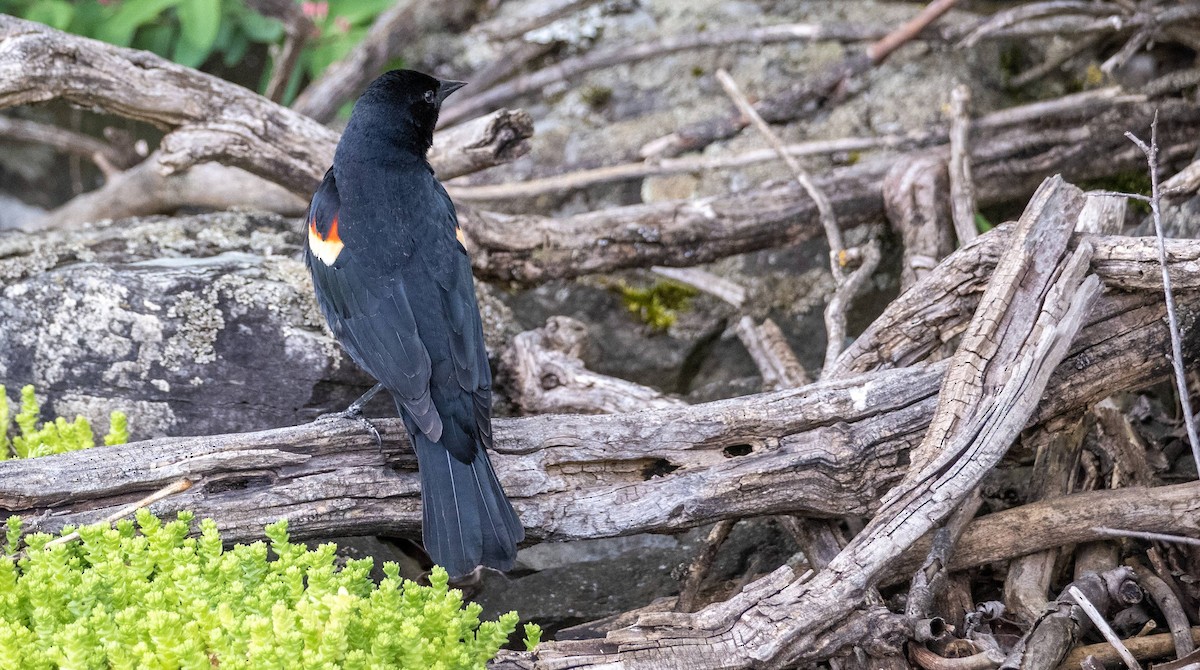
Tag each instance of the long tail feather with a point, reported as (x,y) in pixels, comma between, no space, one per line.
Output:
(468,521)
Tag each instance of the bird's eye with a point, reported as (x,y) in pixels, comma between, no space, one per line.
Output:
(430,96)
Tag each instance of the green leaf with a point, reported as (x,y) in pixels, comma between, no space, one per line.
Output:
(55,13)
(199,21)
(187,53)
(129,16)
(357,12)
(332,49)
(259,28)
(235,51)
(157,38)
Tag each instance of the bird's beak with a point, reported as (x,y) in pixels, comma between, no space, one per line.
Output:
(446,87)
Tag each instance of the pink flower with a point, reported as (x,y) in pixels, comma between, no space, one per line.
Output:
(342,24)
(315,10)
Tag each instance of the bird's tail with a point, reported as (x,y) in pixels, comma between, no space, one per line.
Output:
(468,521)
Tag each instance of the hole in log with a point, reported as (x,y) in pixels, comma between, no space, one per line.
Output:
(735,450)
(658,468)
(238,482)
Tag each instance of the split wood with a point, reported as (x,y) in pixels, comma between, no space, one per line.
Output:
(331,476)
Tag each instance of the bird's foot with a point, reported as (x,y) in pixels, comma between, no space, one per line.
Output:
(355,413)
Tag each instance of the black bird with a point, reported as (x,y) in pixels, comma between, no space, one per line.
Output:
(394,282)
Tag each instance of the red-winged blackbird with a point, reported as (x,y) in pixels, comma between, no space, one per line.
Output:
(394,282)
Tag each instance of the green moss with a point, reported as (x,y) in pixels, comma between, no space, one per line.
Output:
(658,305)
(147,595)
(52,437)
(596,97)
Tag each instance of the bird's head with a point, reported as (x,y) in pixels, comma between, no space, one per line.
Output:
(400,108)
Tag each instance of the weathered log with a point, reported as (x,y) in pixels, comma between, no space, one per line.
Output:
(1039,298)
(616,458)
(1079,137)
(1111,354)
(207,119)
(546,375)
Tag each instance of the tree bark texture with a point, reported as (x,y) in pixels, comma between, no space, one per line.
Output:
(831,448)
(206,119)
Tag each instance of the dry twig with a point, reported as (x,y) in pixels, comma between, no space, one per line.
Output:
(833,234)
(1143,535)
(1103,627)
(962,186)
(835,311)
(178,486)
(570,69)
(1185,400)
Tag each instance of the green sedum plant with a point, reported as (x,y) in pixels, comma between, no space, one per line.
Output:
(52,437)
(659,305)
(147,595)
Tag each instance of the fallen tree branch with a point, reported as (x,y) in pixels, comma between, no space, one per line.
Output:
(545,374)
(914,194)
(102,153)
(1064,521)
(628,53)
(211,119)
(1007,160)
(152,188)
(208,119)
(804,98)
(826,449)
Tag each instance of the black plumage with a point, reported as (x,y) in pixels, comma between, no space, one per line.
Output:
(394,282)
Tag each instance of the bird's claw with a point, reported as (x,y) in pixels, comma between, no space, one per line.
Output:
(354,414)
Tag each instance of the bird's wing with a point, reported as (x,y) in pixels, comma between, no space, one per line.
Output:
(368,308)
(465,333)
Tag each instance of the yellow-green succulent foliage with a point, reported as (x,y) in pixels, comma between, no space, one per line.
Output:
(52,437)
(148,596)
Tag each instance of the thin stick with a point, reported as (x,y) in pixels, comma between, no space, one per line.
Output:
(570,69)
(1104,628)
(177,486)
(1145,535)
(905,33)
(835,311)
(1185,400)
(557,184)
(689,593)
(703,280)
(962,186)
(825,210)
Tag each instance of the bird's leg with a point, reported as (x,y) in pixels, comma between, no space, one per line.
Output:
(354,413)
(355,409)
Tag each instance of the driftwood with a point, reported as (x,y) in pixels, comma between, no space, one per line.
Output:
(207,120)
(1062,624)
(776,622)
(826,449)
(1008,160)
(681,464)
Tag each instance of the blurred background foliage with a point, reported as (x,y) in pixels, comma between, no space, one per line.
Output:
(227,38)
